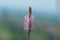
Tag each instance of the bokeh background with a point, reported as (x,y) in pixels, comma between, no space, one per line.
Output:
(12,13)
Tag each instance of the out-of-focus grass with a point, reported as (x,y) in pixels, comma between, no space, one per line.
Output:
(57,37)
(38,36)
(5,34)
(35,35)
(41,36)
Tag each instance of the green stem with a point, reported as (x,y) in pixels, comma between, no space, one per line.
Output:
(28,35)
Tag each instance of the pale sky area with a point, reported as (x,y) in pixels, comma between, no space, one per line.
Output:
(36,4)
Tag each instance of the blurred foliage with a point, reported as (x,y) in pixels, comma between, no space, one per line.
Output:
(12,27)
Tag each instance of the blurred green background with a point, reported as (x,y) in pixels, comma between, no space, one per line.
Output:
(12,25)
